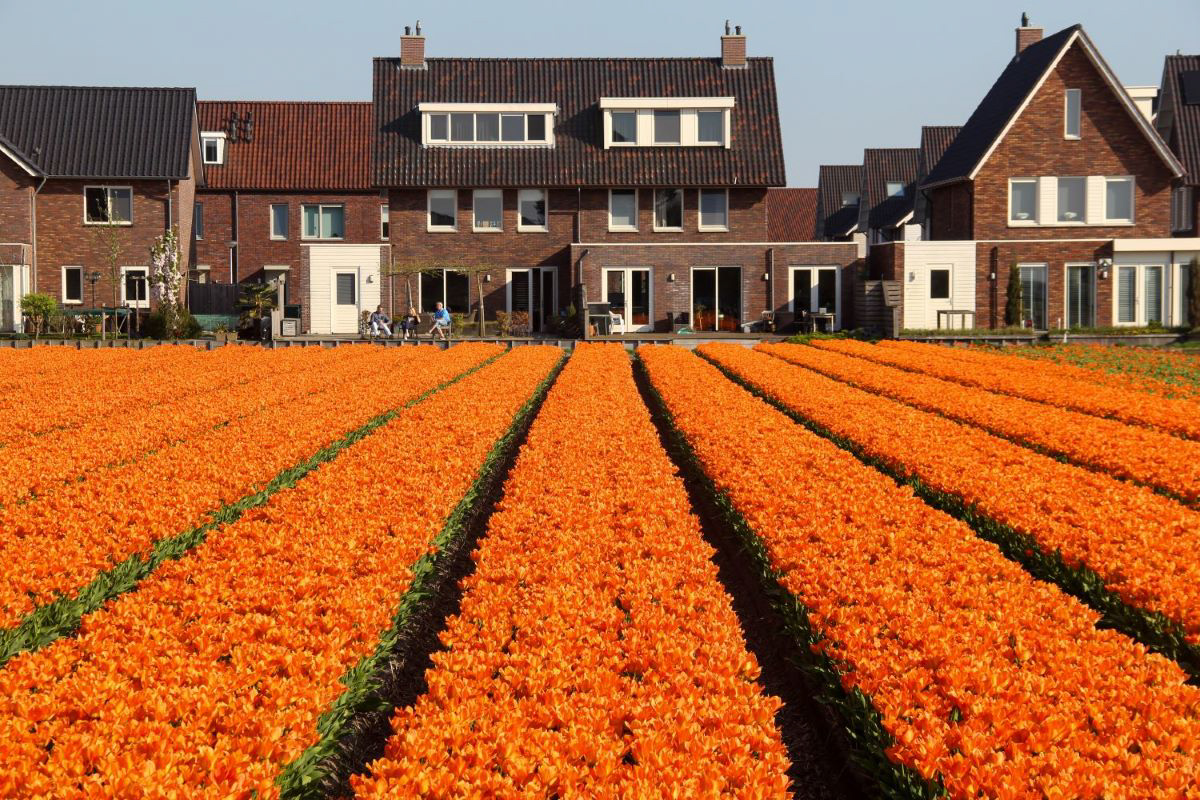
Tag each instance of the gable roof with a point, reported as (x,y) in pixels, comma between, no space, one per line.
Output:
(578,158)
(833,180)
(881,166)
(295,146)
(99,132)
(791,215)
(1179,112)
(935,140)
(1010,94)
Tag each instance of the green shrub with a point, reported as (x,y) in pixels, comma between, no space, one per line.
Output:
(156,326)
(39,307)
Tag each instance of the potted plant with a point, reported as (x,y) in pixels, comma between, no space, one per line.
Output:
(257,301)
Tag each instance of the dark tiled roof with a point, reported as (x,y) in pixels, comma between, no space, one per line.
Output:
(791,215)
(578,157)
(296,146)
(832,182)
(1184,113)
(100,132)
(998,106)
(880,166)
(935,139)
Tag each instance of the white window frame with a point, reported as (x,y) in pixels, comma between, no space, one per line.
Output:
(429,226)
(65,300)
(815,269)
(320,208)
(547,110)
(889,193)
(385,223)
(1024,223)
(108,198)
(1167,291)
(125,301)
(475,195)
(689,123)
(219,137)
(682,211)
(609,141)
(1067,95)
(198,221)
(1066,292)
(287,222)
(636,212)
(1083,212)
(1128,179)
(522,194)
(700,211)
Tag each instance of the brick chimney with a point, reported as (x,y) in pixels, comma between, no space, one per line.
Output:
(412,48)
(1027,35)
(733,48)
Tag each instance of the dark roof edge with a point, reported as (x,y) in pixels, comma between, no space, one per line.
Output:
(21,160)
(573,59)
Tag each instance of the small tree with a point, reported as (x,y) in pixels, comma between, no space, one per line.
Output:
(113,245)
(166,281)
(38,307)
(1193,298)
(1012,306)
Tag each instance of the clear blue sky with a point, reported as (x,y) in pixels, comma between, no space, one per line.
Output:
(850,74)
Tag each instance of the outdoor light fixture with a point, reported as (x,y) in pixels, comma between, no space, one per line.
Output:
(487,278)
(670,277)
(1104,264)
(766,276)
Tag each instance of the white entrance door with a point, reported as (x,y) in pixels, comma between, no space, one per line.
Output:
(630,293)
(343,316)
(533,290)
(941,292)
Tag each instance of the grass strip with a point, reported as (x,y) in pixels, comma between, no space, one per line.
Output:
(63,616)
(324,768)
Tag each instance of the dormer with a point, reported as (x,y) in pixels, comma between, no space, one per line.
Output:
(487,124)
(667,121)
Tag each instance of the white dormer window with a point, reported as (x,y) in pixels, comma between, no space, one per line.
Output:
(895,188)
(666,121)
(487,124)
(212,147)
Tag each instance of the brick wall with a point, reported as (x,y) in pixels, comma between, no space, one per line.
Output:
(212,251)
(950,212)
(991,296)
(747,218)
(16,187)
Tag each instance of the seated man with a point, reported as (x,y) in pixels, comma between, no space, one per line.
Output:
(380,322)
(441,321)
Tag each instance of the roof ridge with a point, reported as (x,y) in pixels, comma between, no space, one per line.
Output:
(509,59)
(93,88)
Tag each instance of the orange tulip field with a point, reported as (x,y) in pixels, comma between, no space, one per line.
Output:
(831,569)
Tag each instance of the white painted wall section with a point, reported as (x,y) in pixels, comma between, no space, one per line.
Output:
(920,310)
(323,259)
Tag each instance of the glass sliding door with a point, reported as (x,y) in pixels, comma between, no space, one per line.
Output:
(716,298)
(1152,281)
(630,295)
(815,290)
(1081,296)
(1033,296)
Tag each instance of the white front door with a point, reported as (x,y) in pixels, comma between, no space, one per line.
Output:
(344,295)
(630,293)
(941,293)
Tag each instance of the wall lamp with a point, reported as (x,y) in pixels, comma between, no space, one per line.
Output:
(1105,265)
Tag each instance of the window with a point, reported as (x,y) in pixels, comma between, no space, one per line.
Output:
(212,146)
(487,127)
(666,127)
(72,285)
(1181,209)
(622,210)
(1081,296)
(714,210)
(624,127)
(346,288)
(710,127)
(439,127)
(108,205)
(895,188)
(849,199)
(384,213)
(1118,199)
(668,210)
(1073,106)
(443,210)
(1022,200)
(279,221)
(939,284)
(531,210)
(489,210)
(1033,296)
(198,220)
(514,127)
(135,292)
(450,288)
(1127,295)
(485,124)
(1072,199)
(1152,284)
(535,126)
(323,222)
(815,290)
(462,127)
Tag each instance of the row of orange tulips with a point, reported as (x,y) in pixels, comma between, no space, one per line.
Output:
(596,653)
(1144,455)
(62,542)
(996,682)
(1177,416)
(1141,544)
(211,677)
(1162,371)
(40,464)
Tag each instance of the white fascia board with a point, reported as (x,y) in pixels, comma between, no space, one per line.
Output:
(663,103)
(20,162)
(534,108)
(1156,245)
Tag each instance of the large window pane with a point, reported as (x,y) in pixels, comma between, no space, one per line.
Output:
(512,127)
(710,127)
(1153,294)
(533,208)
(312,221)
(332,222)
(537,127)
(1126,294)
(95,202)
(458,292)
(939,284)
(198,220)
(345,289)
(623,208)
(714,210)
(1081,297)
(668,208)
(462,127)
(1072,201)
(729,298)
(73,284)
(827,291)
(1073,113)
(802,290)
(704,299)
(120,204)
(432,290)
(279,221)
(1118,199)
(624,126)
(439,127)
(1033,296)
(666,127)
(487,127)
(489,210)
(442,208)
(1023,201)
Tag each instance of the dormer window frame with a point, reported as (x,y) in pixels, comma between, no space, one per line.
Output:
(447,130)
(646,110)
(218,140)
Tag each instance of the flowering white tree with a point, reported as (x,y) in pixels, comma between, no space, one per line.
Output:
(166,279)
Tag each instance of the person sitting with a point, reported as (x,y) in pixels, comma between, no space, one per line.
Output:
(380,322)
(441,322)
(409,323)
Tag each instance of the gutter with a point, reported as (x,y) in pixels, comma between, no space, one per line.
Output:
(33,228)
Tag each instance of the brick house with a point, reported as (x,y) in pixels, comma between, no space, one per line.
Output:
(888,193)
(1178,121)
(85,172)
(637,182)
(289,199)
(1060,179)
(839,191)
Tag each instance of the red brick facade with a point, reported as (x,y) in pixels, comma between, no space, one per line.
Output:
(998,258)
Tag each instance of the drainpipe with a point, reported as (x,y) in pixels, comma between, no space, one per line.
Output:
(233,259)
(33,230)
(582,311)
(771,280)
